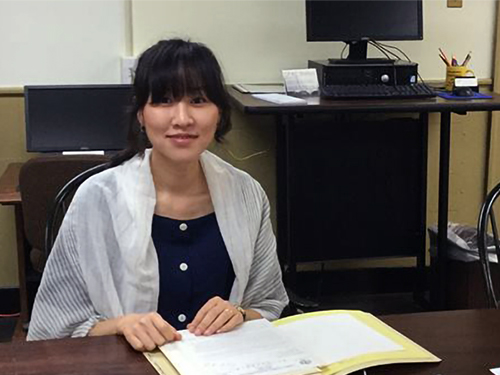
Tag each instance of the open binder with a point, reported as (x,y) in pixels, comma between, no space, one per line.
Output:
(335,342)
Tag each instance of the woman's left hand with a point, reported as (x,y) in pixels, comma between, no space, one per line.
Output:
(216,316)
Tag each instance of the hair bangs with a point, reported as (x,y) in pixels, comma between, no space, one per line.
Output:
(179,78)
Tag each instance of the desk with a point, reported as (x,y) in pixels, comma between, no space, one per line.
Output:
(466,340)
(10,196)
(286,115)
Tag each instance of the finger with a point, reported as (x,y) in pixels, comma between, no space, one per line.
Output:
(224,317)
(146,324)
(231,324)
(200,315)
(209,318)
(145,339)
(168,332)
(134,342)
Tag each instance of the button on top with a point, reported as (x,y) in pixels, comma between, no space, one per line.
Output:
(181,318)
(183,266)
(183,227)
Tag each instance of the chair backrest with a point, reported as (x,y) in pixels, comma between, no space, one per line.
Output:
(489,246)
(62,201)
(40,180)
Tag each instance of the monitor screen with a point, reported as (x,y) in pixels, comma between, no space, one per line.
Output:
(76,118)
(355,20)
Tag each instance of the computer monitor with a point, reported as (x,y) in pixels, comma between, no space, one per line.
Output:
(358,21)
(77,117)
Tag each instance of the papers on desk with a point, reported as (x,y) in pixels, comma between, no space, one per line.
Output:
(280,99)
(328,343)
(263,88)
(254,348)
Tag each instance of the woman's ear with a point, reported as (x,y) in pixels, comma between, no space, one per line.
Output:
(140,117)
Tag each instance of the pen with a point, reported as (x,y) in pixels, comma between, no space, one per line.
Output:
(444,60)
(444,56)
(467,59)
(454,61)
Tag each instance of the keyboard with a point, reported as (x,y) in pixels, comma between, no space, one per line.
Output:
(377,91)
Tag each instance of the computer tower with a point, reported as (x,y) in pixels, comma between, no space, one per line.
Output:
(378,72)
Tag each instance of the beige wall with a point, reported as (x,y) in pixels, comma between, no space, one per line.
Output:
(55,42)
(254,39)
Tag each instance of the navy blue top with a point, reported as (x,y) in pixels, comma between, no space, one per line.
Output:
(194,266)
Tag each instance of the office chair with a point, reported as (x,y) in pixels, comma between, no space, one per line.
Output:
(489,246)
(40,180)
(62,201)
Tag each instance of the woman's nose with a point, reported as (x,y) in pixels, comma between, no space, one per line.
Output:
(182,115)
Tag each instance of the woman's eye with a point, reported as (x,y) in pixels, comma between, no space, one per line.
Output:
(166,100)
(199,100)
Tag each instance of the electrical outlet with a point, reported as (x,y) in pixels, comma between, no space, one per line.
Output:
(128,65)
(455,3)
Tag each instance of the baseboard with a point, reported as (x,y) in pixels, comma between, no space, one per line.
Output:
(9,300)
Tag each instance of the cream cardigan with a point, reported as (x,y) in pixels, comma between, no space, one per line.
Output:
(104,264)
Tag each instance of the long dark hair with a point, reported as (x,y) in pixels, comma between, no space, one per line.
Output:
(174,68)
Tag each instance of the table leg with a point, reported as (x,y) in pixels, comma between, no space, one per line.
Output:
(438,296)
(21,261)
(283,200)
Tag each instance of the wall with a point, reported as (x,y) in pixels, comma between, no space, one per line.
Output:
(259,38)
(52,42)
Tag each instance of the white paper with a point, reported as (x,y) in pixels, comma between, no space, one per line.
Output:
(496,371)
(280,99)
(337,337)
(301,81)
(255,348)
(251,88)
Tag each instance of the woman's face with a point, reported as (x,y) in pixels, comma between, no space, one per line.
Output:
(180,130)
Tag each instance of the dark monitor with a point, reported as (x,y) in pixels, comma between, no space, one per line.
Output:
(77,117)
(358,21)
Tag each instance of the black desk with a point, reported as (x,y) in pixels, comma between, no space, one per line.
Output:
(285,116)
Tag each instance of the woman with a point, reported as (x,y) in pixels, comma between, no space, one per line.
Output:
(171,237)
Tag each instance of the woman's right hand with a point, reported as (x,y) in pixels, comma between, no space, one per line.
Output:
(146,331)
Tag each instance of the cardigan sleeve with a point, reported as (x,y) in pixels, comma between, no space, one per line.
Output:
(265,292)
(62,306)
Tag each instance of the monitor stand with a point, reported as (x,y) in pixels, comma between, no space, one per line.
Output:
(358,50)
(378,61)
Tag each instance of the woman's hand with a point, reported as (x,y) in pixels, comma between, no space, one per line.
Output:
(146,331)
(216,316)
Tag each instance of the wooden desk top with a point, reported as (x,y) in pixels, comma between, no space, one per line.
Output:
(90,356)
(248,104)
(468,341)
(9,181)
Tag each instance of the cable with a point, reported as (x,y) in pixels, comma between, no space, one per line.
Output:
(380,49)
(396,48)
(244,158)
(384,50)
(15,315)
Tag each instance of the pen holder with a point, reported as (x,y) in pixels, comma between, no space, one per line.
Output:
(453,72)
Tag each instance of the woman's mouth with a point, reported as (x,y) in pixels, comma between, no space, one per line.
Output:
(182,139)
